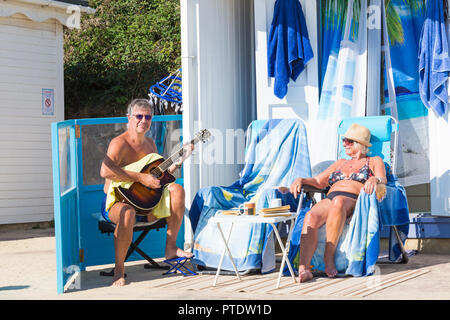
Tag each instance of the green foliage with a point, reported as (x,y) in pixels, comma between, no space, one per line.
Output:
(119,52)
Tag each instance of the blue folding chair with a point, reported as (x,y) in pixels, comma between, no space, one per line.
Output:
(384,137)
(384,140)
(276,153)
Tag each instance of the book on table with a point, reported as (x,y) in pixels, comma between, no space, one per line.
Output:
(230,212)
(265,212)
(276,211)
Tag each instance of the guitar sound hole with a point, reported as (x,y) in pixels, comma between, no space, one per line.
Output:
(156,173)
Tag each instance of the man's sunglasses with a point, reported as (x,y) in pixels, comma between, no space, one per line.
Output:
(141,116)
(347,141)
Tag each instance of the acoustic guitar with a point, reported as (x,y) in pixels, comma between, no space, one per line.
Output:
(143,198)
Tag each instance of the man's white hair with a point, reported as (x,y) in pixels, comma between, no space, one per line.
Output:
(140,103)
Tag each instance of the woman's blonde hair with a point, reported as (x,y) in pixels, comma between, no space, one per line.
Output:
(362,148)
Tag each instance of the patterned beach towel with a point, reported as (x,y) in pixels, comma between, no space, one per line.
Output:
(276,156)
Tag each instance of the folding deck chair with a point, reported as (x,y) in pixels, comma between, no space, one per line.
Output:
(276,153)
(173,265)
(143,227)
(384,139)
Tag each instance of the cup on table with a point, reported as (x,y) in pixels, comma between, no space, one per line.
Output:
(274,203)
(247,208)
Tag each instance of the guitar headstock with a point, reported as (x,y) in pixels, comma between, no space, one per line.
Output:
(203,135)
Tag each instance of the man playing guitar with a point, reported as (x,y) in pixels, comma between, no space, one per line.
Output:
(127,148)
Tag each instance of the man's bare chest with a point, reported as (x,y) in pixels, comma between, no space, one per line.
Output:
(133,153)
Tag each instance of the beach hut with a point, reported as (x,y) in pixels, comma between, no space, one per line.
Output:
(226,85)
(31,98)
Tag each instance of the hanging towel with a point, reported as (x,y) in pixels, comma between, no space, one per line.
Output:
(344,84)
(288,48)
(434,62)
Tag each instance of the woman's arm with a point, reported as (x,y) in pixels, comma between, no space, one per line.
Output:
(380,170)
(379,177)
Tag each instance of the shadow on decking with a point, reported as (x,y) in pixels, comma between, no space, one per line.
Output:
(386,276)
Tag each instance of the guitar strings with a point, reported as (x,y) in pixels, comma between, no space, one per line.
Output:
(157,171)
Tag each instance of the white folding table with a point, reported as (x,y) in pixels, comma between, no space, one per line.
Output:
(255,219)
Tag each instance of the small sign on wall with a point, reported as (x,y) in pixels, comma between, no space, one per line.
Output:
(48,102)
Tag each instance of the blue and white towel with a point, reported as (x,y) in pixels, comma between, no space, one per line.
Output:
(276,156)
(394,211)
(288,48)
(434,61)
(362,242)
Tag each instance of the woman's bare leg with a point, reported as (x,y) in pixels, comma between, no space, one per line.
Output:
(341,208)
(314,219)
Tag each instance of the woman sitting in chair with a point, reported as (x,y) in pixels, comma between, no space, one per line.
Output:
(346,178)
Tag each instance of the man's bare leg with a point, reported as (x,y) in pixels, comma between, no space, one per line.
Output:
(174,221)
(123,216)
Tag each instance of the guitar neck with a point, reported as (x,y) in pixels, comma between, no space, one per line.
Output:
(174,157)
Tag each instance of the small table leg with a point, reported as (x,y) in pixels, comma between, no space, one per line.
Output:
(285,251)
(226,249)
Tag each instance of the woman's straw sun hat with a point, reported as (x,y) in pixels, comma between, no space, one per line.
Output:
(359,134)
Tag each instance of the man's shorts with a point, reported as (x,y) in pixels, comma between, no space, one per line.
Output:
(105,214)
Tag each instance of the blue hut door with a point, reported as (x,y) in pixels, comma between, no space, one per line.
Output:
(66,208)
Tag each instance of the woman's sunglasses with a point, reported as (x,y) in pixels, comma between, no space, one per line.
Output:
(141,116)
(347,141)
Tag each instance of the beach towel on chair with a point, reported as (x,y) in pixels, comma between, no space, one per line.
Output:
(362,242)
(363,238)
(276,156)
(394,211)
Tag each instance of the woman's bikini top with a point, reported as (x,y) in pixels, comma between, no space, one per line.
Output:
(362,175)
